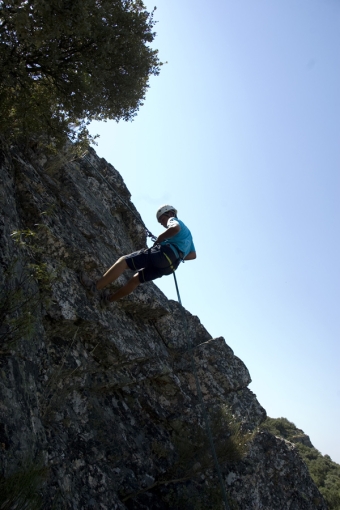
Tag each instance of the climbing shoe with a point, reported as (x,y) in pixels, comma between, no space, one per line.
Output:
(87,283)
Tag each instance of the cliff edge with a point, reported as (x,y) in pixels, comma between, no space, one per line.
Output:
(99,408)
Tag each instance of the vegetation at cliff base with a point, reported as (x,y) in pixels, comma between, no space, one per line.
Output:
(21,490)
(325,472)
(65,63)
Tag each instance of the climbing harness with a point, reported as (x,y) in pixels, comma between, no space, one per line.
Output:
(170,262)
(193,365)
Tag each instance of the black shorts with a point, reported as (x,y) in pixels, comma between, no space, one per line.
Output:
(153,263)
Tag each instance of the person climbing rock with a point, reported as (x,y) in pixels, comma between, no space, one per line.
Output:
(171,246)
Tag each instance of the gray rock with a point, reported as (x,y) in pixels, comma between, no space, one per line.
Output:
(99,408)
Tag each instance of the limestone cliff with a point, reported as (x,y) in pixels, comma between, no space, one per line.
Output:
(99,408)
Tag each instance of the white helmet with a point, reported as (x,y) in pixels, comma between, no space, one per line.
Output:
(164,209)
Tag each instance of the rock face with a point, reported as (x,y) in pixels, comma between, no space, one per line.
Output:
(99,408)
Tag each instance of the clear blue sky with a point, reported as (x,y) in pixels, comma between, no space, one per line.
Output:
(241,133)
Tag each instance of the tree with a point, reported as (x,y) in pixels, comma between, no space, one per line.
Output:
(325,472)
(67,62)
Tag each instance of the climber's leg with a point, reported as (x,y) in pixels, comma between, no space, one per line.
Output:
(129,287)
(112,274)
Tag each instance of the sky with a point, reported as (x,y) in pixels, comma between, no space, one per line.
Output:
(240,132)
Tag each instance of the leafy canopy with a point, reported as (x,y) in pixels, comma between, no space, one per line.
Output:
(67,62)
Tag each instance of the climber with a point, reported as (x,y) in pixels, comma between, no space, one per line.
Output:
(170,247)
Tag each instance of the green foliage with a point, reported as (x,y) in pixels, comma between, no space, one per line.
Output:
(18,301)
(194,460)
(22,236)
(20,491)
(21,292)
(325,472)
(193,447)
(280,427)
(65,63)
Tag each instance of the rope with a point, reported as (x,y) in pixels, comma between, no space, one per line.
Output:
(198,387)
(200,397)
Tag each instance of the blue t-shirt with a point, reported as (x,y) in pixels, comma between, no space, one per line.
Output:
(182,240)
